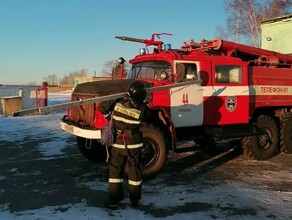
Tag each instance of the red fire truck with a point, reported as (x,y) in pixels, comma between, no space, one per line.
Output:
(223,91)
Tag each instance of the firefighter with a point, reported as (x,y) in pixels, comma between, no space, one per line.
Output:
(128,115)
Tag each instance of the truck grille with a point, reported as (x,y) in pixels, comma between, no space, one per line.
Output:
(83,115)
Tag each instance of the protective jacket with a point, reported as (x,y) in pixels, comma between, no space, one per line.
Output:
(127,119)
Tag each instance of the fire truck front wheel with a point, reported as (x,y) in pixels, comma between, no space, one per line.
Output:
(91,149)
(286,134)
(265,145)
(154,153)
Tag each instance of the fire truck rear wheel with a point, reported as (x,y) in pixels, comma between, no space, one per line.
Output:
(286,134)
(264,146)
(91,149)
(154,153)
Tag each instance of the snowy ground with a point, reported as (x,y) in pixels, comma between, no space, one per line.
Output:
(235,189)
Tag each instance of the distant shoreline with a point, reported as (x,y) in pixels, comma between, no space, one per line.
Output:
(59,89)
(50,88)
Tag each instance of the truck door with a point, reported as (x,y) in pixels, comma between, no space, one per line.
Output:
(230,97)
(186,102)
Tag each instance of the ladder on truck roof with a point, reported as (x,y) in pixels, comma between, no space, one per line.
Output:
(232,49)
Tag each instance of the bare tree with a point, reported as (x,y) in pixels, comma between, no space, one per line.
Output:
(70,78)
(112,68)
(245,17)
(51,79)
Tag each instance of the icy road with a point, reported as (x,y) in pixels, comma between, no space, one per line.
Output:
(43,176)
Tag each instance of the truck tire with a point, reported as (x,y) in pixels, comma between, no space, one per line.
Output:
(286,134)
(92,149)
(154,152)
(264,146)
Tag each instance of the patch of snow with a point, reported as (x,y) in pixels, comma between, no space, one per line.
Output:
(245,193)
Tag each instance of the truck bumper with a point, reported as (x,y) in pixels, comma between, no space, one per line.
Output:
(81,132)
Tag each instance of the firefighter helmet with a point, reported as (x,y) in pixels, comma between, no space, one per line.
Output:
(137,91)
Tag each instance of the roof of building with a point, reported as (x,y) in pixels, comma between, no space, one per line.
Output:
(271,20)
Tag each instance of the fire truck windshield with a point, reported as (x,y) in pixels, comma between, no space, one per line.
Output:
(159,70)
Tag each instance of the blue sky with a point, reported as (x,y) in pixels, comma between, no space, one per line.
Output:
(43,37)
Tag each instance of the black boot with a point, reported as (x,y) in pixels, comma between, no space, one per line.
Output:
(135,203)
(110,205)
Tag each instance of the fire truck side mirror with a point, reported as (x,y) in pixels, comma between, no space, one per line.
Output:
(121,60)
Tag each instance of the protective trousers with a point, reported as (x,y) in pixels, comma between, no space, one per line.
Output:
(119,160)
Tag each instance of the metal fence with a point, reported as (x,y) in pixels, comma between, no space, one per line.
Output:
(31,96)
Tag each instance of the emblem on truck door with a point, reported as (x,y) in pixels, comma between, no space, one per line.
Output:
(230,103)
(185,99)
